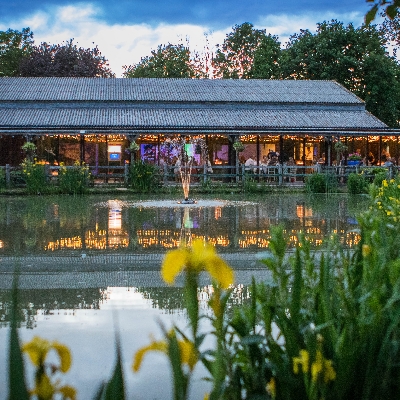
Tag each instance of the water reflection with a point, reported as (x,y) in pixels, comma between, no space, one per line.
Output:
(40,304)
(52,225)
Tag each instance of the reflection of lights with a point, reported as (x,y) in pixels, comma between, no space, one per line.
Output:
(218,212)
(300,211)
(1,244)
(114,215)
(65,243)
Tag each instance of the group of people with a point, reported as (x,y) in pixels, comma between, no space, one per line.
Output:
(269,164)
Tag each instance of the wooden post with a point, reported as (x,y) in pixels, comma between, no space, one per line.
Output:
(8,175)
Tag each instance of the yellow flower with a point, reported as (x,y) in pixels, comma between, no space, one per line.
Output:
(38,348)
(153,346)
(187,351)
(271,387)
(302,360)
(201,256)
(324,367)
(366,249)
(384,183)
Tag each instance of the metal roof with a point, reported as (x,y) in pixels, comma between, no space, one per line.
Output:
(185,118)
(175,90)
(41,105)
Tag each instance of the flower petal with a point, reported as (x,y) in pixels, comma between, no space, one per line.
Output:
(37,350)
(220,271)
(64,354)
(154,346)
(173,263)
(202,253)
(188,353)
(68,392)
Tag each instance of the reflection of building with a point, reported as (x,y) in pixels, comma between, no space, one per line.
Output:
(95,119)
(114,226)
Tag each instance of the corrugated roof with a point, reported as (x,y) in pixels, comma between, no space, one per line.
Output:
(186,118)
(174,90)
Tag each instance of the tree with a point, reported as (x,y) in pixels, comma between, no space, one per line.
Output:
(356,58)
(234,58)
(14,45)
(168,61)
(266,59)
(64,60)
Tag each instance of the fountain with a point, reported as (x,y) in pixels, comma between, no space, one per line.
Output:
(186,147)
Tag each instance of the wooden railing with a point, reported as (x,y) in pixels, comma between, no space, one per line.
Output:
(278,175)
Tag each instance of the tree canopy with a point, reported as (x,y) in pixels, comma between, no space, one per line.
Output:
(354,57)
(168,61)
(235,57)
(14,45)
(65,59)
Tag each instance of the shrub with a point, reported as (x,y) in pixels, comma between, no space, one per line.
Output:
(74,179)
(321,183)
(379,177)
(34,175)
(357,184)
(144,177)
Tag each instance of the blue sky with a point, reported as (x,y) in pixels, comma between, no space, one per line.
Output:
(126,30)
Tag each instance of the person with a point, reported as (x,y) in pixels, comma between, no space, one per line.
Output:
(292,171)
(371,158)
(264,164)
(209,167)
(249,163)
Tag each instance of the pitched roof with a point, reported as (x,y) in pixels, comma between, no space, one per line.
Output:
(180,105)
(174,90)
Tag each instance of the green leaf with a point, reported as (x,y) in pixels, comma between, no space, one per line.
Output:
(371,14)
(18,390)
(115,388)
(391,11)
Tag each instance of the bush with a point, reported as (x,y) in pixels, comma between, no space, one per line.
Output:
(321,183)
(144,177)
(74,180)
(357,184)
(379,177)
(34,175)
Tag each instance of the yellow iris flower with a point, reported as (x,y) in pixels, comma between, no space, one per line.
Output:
(324,367)
(38,348)
(201,256)
(187,350)
(303,360)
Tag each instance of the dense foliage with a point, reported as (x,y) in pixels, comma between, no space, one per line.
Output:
(19,56)
(143,177)
(14,46)
(66,60)
(170,61)
(244,49)
(354,57)
(357,183)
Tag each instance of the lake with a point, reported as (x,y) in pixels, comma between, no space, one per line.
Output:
(90,266)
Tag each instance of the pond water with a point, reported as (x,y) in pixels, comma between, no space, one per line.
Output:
(89,264)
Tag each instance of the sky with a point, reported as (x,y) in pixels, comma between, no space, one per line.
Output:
(127,30)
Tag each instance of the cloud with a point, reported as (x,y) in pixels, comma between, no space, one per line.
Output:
(285,25)
(125,44)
